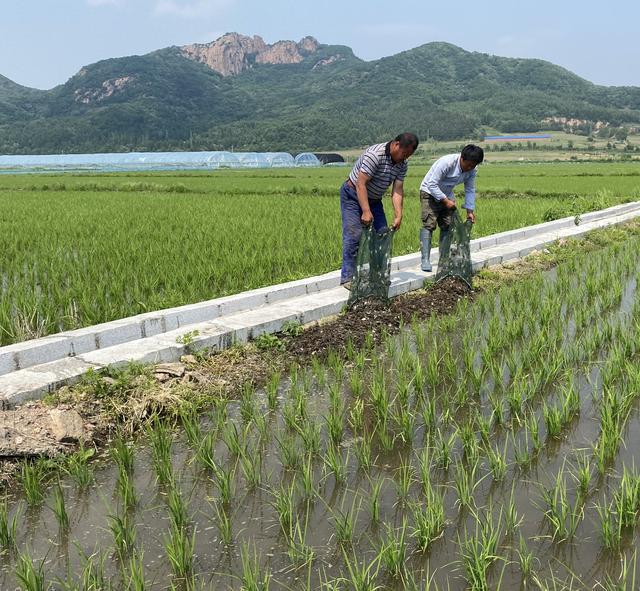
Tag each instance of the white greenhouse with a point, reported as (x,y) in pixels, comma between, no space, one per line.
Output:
(141,161)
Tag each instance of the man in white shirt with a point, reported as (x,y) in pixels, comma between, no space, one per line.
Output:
(437,199)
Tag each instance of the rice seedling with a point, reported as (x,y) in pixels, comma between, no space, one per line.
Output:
(335,464)
(253,577)
(497,461)
(356,416)
(336,364)
(465,483)
(234,438)
(224,524)
(479,550)
(553,419)
(429,414)
(161,440)
(356,383)
(59,508)
(405,422)
(335,424)
(562,516)
(251,465)
(470,446)
(424,469)
(521,452)
(178,511)
(78,467)
(126,488)
(310,434)
(428,520)
(272,389)
(380,396)
(512,519)
(497,409)
(135,579)
(124,534)
(374,499)
(363,452)
(30,577)
(610,524)
(627,499)
(386,439)
(306,478)
(532,428)
(288,451)
(444,449)
(179,546)
(344,521)
(93,576)
(625,580)
(392,553)
(247,402)
(32,476)
(262,427)
(225,481)
(8,527)
(582,474)
(361,576)
(205,452)
(283,503)
(299,552)
(404,477)
(122,454)
(525,558)
(191,425)
(433,367)
(419,378)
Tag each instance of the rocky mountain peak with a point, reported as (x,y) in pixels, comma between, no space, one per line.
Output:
(233,53)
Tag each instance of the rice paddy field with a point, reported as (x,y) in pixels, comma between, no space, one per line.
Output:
(76,250)
(493,448)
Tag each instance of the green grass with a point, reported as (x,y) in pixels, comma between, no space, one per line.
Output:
(86,249)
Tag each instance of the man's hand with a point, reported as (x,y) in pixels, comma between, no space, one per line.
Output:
(367,217)
(471,216)
(396,223)
(448,203)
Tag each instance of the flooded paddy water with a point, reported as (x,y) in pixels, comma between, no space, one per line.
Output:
(492,448)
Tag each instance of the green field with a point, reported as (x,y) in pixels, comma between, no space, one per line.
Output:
(76,250)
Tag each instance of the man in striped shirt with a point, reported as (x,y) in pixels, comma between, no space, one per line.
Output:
(437,200)
(361,194)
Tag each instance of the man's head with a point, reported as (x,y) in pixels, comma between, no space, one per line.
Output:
(403,146)
(470,157)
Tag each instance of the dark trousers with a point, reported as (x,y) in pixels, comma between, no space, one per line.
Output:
(352,227)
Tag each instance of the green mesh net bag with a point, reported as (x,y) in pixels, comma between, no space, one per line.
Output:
(455,251)
(373,266)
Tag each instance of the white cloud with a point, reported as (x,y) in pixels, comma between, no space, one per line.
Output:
(190,8)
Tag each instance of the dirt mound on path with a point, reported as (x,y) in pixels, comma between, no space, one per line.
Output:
(377,317)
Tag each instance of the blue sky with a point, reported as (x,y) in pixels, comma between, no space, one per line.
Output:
(44,42)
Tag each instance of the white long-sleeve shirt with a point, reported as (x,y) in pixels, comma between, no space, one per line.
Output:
(444,174)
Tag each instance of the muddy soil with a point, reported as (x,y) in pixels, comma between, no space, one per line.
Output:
(377,318)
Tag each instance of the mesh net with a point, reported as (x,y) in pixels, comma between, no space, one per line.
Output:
(373,266)
(455,252)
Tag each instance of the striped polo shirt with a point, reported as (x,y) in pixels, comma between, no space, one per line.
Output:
(376,162)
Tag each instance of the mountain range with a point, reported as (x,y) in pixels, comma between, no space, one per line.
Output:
(241,93)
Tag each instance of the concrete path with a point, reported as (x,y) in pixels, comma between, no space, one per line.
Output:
(31,369)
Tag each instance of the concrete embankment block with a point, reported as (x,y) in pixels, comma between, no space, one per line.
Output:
(33,352)
(33,383)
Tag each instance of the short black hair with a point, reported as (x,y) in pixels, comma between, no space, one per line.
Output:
(407,140)
(472,153)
